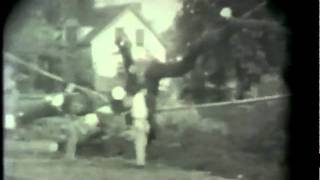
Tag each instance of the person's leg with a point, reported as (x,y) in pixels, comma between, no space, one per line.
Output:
(129,119)
(71,143)
(153,129)
(141,140)
(140,148)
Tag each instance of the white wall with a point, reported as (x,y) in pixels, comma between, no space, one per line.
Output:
(160,12)
(103,47)
(83,31)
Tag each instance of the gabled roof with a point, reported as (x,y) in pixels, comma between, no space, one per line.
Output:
(144,21)
(104,16)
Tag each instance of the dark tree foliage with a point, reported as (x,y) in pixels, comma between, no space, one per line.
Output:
(246,46)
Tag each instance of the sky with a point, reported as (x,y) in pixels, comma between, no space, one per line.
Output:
(161,13)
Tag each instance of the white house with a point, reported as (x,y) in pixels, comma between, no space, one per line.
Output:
(99,33)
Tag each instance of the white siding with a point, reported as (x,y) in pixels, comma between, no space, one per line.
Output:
(83,31)
(105,60)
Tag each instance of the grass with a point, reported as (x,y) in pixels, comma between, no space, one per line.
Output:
(253,143)
(226,142)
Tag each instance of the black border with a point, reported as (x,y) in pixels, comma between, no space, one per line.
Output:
(300,76)
(7,6)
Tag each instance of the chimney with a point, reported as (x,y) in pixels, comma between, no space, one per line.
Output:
(136,7)
(85,10)
(69,8)
(71,31)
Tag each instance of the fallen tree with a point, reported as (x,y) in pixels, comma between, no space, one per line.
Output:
(208,41)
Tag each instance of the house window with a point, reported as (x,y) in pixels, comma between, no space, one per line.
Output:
(119,32)
(139,37)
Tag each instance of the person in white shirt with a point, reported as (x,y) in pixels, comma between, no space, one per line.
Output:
(140,126)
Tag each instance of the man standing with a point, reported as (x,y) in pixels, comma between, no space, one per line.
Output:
(140,126)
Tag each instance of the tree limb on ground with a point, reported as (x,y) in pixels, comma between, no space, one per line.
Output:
(253,10)
(255,23)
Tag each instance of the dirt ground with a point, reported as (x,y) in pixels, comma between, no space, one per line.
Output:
(96,169)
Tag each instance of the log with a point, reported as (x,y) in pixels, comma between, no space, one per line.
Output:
(28,111)
(12,146)
(32,108)
(67,130)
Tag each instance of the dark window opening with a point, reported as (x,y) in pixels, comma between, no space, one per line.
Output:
(140,37)
(119,32)
(71,35)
